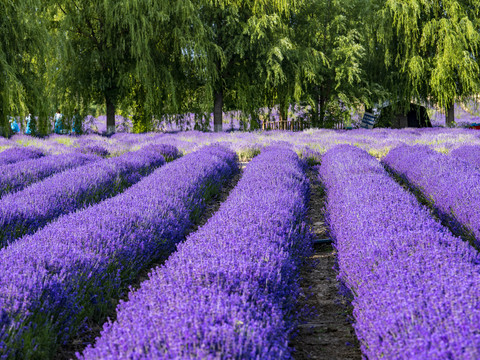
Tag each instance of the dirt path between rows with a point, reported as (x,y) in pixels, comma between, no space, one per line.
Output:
(327,334)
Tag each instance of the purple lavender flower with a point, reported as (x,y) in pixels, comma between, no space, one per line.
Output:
(168,151)
(468,153)
(414,286)
(17,176)
(32,208)
(95,150)
(16,154)
(51,282)
(450,184)
(230,289)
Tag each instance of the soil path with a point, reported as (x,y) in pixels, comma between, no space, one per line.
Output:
(80,342)
(327,334)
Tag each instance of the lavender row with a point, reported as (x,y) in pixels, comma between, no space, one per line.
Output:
(69,272)
(17,154)
(450,184)
(468,153)
(15,177)
(32,208)
(415,286)
(230,290)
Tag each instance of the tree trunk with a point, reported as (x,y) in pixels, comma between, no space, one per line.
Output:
(3,123)
(450,115)
(110,116)
(321,111)
(283,116)
(218,111)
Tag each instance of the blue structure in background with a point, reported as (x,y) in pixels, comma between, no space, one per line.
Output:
(58,122)
(28,119)
(14,126)
(368,121)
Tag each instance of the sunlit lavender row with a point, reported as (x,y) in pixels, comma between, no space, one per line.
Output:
(468,153)
(414,285)
(25,211)
(377,142)
(17,154)
(230,289)
(52,282)
(15,177)
(451,184)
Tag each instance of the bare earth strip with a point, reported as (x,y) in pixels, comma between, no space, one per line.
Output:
(88,337)
(327,334)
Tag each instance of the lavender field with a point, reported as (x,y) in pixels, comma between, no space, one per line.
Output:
(110,249)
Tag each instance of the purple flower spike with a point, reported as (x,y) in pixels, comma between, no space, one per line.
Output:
(468,153)
(450,184)
(414,286)
(17,176)
(26,211)
(230,289)
(17,154)
(53,281)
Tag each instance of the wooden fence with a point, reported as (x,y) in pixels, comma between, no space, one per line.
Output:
(298,125)
(292,125)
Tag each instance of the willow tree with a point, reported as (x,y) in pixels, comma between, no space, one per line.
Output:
(93,59)
(330,43)
(242,38)
(433,45)
(168,45)
(23,42)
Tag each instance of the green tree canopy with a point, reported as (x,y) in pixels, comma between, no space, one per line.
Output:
(331,49)
(93,57)
(432,48)
(23,45)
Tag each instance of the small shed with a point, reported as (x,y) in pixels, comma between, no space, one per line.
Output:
(416,117)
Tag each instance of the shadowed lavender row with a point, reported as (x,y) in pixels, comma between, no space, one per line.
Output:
(51,282)
(468,153)
(32,208)
(230,290)
(415,286)
(17,154)
(15,177)
(452,185)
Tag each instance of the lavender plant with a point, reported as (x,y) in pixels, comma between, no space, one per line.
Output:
(451,185)
(26,211)
(230,289)
(414,286)
(468,153)
(94,149)
(168,151)
(51,282)
(15,177)
(16,154)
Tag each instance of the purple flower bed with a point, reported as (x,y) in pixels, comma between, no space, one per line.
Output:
(94,149)
(51,282)
(468,153)
(415,286)
(15,177)
(230,289)
(168,151)
(26,211)
(450,184)
(17,154)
